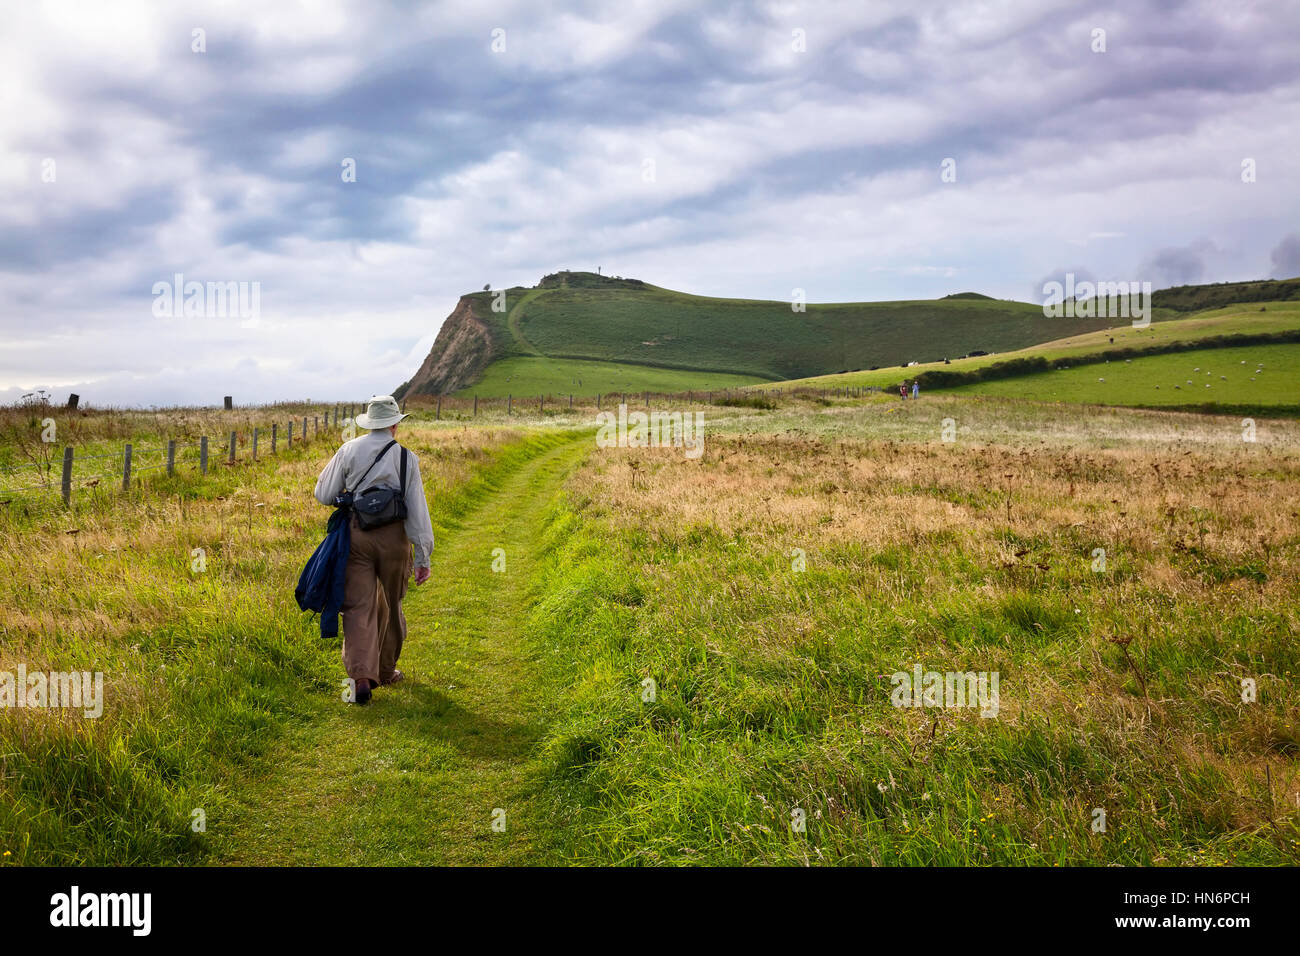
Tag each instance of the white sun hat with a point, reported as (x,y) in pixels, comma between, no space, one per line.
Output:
(381,412)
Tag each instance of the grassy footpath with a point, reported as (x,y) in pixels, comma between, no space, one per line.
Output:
(415,777)
(181,595)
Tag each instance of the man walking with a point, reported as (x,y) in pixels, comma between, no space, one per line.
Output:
(380,560)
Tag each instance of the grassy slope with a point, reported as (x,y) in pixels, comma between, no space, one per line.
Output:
(533,375)
(1276,317)
(659,328)
(1218,376)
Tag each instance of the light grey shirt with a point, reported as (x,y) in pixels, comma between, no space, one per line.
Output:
(350,463)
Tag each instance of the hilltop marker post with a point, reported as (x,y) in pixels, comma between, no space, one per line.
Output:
(67,474)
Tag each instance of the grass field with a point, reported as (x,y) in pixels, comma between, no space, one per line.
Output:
(770,590)
(681,658)
(535,375)
(1263,318)
(1254,376)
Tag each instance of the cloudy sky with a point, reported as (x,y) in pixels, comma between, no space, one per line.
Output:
(735,149)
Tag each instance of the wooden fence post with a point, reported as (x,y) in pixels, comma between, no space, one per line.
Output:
(254,444)
(171,457)
(541,404)
(288,437)
(275,436)
(203,455)
(598,401)
(232,448)
(437,413)
(476,406)
(510,404)
(315,425)
(570,401)
(126,468)
(67,474)
(647,398)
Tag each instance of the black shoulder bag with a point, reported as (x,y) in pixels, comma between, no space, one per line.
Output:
(376,507)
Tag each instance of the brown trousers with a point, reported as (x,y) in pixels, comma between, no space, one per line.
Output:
(374,585)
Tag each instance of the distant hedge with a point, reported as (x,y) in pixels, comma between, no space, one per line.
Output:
(942,378)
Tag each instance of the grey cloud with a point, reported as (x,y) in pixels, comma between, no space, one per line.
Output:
(1286,257)
(1174,266)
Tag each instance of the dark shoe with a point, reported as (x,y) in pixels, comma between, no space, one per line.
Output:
(363,692)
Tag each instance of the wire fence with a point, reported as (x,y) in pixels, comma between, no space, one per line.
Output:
(80,470)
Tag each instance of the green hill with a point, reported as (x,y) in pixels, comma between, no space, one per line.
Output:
(525,340)
(1127,366)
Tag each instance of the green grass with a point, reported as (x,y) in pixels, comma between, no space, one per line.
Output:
(661,328)
(771,683)
(526,688)
(205,671)
(415,777)
(1272,317)
(1205,377)
(531,376)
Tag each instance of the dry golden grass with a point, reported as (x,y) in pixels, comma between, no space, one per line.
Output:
(1121,687)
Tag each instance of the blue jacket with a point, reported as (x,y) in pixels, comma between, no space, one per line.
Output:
(320,587)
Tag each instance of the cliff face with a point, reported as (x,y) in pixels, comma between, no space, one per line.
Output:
(463,348)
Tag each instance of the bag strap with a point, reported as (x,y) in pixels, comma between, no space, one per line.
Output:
(401,473)
(383,451)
